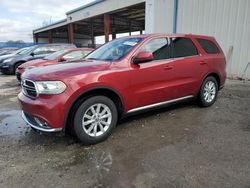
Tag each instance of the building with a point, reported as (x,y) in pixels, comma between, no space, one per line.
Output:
(227,20)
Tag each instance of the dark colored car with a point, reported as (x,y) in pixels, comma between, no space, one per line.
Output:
(7,51)
(14,54)
(9,65)
(122,77)
(62,56)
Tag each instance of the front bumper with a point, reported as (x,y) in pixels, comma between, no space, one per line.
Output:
(6,69)
(31,121)
(50,110)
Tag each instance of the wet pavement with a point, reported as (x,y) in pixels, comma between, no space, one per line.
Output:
(178,146)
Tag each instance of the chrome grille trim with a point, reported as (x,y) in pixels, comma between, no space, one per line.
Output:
(29,88)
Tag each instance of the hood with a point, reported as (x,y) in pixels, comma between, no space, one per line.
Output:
(21,57)
(35,63)
(62,71)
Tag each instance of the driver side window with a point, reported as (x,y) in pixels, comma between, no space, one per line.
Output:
(160,48)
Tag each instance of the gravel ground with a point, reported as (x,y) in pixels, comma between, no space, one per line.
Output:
(178,146)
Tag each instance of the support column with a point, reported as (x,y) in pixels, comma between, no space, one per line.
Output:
(129,28)
(35,36)
(92,34)
(70,33)
(155,11)
(113,36)
(107,26)
(50,38)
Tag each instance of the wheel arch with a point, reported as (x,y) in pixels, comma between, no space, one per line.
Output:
(16,63)
(216,76)
(104,91)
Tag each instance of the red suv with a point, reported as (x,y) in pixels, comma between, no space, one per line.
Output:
(124,76)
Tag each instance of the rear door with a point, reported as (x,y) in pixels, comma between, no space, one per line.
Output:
(187,67)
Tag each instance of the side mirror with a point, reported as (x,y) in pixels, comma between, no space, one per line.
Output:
(62,59)
(143,57)
(32,54)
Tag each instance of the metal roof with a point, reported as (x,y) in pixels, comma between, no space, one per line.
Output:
(84,6)
(55,23)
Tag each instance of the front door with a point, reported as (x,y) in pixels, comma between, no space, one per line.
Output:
(149,80)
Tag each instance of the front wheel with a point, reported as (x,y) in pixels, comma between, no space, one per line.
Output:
(95,119)
(208,92)
(16,66)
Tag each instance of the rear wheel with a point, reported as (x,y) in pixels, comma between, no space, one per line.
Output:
(95,119)
(208,92)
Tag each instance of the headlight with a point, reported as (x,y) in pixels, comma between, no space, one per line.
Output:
(7,60)
(4,65)
(50,87)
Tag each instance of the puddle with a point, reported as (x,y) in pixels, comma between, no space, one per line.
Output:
(12,124)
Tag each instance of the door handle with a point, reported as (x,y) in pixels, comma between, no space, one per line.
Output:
(168,67)
(203,63)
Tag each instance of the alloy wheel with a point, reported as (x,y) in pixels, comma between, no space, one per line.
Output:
(209,91)
(97,120)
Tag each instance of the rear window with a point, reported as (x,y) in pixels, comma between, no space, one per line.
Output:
(209,46)
(183,47)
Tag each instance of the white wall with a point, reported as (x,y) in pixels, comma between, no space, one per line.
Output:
(159,16)
(43,40)
(60,40)
(227,20)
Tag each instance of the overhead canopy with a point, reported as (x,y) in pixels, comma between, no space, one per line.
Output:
(125,17)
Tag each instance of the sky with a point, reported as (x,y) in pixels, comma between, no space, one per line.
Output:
(19,18)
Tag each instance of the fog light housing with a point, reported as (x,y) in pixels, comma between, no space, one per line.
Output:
(41,122)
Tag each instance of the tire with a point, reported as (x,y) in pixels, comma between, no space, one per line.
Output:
(16,66)
(33,129)
(208,92)
(91,126)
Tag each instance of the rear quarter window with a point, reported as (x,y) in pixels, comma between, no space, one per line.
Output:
(208,46)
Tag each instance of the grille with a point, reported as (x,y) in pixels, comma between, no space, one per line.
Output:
(29,88)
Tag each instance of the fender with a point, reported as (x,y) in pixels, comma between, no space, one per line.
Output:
(83,93)
(214,72)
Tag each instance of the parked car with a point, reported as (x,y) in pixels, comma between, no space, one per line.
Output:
(62,56)
(12,55)
(10,65)
(122,77)
(6,51)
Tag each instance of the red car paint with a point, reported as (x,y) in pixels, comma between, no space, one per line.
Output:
(43,62)
(136,85)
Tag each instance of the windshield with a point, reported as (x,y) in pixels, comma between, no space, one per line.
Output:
(55,55)
(114,50)
(12,52)
(23,51)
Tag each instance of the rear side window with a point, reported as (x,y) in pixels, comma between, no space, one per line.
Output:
(61,47)
(208,46)
(183,47)
(43,50)
(159,47)
(74,55)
